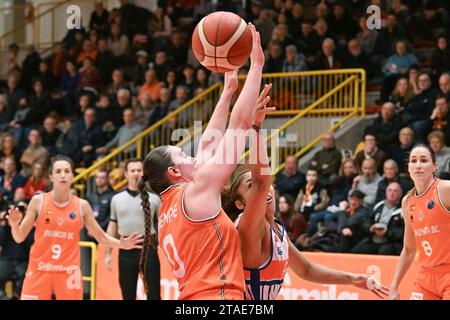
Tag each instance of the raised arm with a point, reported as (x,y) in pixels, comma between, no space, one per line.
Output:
(131,242)
(21,228)
(218,122)
(203,194)
(253,228)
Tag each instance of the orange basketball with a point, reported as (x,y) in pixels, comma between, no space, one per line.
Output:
(222,41)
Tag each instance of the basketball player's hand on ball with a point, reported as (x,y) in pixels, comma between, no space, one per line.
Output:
(231,81)
(368,282)
(15,216)
(257,54)
(261,106)
(131,242)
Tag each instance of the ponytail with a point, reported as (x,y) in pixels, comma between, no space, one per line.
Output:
(150,232)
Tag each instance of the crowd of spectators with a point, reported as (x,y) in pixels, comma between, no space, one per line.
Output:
(103,84)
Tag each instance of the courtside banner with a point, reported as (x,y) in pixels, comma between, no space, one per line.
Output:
(294,288)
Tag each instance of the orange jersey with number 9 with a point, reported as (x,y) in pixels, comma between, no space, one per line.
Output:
(57,235)
(205,255)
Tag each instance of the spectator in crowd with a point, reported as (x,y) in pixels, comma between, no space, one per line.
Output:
(105,116)
(68,87)
(327,160)
(118,82)
(189,80)
(289,181)
(46,76)
(99,18)
(340,187)
(35,152)
(444,85)
(160,27)
(440,59)
(308,42)
(138,72)
(323,32)
(87,51)
(12,60)
(313,197)
(341,22)
(328,58)
(178,48)
(367,181)
(127,216)
(396,65)
(40,104)
(10,180)
(13,257)
(294,222)
(401,95)
(49,134)
(89,76)
(406,142)
(440,118)
(356,58)
(280,33)
(161,108)
(6,113)
(390,174)
(12,91)
(171,83)
(37,182)
(151,86)
(57,61)
(421,107)
(181,98)
(275,60)
(118,42)
(201,78)
(294,61)
(371,151)
(105,61)
(100,199)
(366,37)
(89,137)
(144,109)
(8,148)
(391,33)
(437,143)
(351,222)
(162,64)
(128,131)
(30,66)
(386,128)
(265,25)
(123,101)
(384,227)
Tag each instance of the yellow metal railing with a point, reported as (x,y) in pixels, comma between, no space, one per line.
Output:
(35,22)
(175,128)
(300,94)
(93,277)
(346,99)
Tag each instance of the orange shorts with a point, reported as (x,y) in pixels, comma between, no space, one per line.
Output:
(39,285)
(432,286)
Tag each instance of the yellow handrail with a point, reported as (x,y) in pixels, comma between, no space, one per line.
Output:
(25,24)
(93,277)
(325,92)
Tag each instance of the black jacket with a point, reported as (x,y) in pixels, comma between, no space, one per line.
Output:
(395,227)
(101,206)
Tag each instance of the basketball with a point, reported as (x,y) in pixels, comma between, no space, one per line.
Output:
(222,41)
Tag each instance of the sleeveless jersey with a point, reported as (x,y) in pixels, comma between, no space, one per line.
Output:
(265,282)
(431,223)
(205,255)
(57,235)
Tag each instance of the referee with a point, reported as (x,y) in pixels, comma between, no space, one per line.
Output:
(127,217)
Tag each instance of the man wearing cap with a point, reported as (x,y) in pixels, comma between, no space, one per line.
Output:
(351,222)
(138,72)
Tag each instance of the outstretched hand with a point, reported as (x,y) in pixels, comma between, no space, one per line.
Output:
(15,216)
(257,55)
(261,106)
(368,282)
(231,81)
(131,242)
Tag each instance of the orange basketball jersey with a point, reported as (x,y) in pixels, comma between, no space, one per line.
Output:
(431,223)
(57,235)
(205,255)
